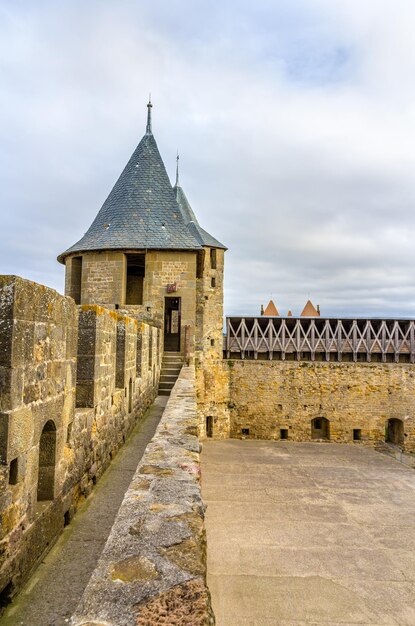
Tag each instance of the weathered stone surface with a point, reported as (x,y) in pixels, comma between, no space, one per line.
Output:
(188,603)
(134,569)
(46,344)
(266,397)
(158,534)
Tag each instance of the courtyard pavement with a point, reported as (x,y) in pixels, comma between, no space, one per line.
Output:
(308,533)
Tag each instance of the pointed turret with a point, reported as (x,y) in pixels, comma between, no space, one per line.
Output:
(141,212)
(203,237)
(271,310)
(310,310)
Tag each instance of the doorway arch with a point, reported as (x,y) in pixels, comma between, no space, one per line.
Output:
(320,428)
(47,459)
(394,431)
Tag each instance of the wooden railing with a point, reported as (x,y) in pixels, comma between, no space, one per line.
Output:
(320,339)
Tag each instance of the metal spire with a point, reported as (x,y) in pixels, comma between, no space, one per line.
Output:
(177,170)
(149,107)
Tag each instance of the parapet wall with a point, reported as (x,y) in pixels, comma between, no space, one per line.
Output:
(153,567)
(73,383)
(273,400)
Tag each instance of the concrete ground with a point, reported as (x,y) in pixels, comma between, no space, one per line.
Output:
(55,588)
(308,534)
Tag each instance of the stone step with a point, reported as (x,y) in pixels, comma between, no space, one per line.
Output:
(170,370)
(164,392)
(164,387)
(166,378)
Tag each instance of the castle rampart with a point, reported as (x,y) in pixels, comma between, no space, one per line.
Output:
(73,383)
(153,567)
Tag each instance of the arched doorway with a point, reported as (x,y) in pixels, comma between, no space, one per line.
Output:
(394,431)
(320,428)
(47,457)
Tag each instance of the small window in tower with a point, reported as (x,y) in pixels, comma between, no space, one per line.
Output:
(213,258)
(245,432)
(357,434)
(76,279)
(135,278)
(283,433)
(213,282)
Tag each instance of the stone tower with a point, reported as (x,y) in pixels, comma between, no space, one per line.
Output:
(145,253)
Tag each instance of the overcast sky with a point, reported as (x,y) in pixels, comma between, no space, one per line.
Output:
(294,120)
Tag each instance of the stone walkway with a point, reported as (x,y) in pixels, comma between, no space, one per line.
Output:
(53,592)
(302,534)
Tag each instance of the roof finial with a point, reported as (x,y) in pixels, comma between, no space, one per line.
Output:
(177,169)
(149,107)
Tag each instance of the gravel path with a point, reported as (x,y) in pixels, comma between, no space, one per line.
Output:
(54,590)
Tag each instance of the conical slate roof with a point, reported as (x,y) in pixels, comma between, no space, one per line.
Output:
(141,211)
(203,237)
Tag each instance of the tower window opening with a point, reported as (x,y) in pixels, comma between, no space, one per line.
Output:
(213,282)
(357,434)
(135,278)
(283,433)
(209,426)
(76,279)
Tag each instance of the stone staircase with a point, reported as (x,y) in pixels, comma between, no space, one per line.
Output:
(170,370)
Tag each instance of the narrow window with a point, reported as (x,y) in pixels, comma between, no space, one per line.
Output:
(245,432)
(47,459)
(209,426)
(76,279)
(283,433)
(213,258)
(357,434)
(212,342)
(69,433)
(213,282)
(135,278)
(130,396)
(13,472)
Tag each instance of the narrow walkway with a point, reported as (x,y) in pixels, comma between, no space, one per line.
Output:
(54,590)
(305,534)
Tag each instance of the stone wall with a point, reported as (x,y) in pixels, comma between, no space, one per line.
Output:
(265,397)
(153,567)
(211,378)
(164,267)
(62,416)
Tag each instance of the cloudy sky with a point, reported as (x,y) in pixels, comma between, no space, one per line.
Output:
(294,120)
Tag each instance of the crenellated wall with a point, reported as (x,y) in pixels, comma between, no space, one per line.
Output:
(73,383)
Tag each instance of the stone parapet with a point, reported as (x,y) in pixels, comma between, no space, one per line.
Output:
(67,404)
(153,567)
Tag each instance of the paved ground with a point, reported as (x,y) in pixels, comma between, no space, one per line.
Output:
(53,592)
(308,534)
